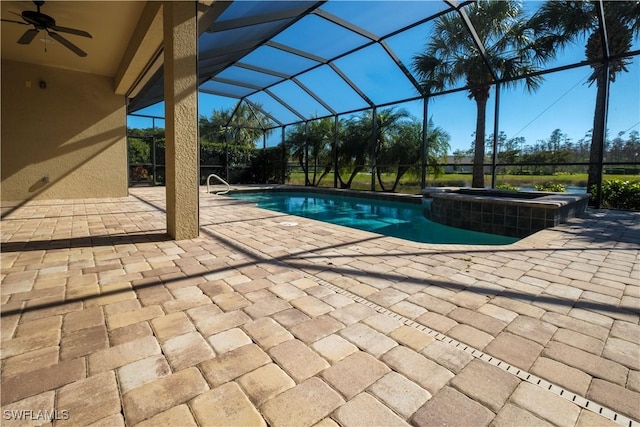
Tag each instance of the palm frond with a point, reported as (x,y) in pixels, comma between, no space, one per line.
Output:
(512,47)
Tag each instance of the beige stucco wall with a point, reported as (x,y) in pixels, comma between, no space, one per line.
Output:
(74,131)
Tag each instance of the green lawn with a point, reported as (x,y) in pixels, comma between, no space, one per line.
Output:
(410,184)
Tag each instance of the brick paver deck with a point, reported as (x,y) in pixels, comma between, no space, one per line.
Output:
(260,321)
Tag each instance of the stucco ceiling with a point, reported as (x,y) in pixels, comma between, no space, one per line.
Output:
(110,23)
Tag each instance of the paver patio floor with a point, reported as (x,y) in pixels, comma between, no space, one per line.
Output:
(269,319)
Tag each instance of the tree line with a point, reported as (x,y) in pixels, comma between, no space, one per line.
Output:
(395,149)
(559,148)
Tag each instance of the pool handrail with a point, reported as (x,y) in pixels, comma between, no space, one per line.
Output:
(213,175)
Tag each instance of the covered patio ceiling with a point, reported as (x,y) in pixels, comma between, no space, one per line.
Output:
(301,60)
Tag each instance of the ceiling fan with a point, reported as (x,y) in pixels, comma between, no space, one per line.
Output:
(40,21)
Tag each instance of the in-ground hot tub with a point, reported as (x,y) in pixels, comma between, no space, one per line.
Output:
(509,213)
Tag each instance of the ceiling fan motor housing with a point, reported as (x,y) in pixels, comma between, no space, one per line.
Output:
(38,19)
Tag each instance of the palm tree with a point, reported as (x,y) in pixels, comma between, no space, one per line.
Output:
(452,55)
(389,123)
(246,125)
(356,140)
(230,135)
(404,151)
(243,126)
(320,141)
(312,141)
(560,23)
(354,147)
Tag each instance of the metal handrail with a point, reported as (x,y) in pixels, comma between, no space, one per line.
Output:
(213,175)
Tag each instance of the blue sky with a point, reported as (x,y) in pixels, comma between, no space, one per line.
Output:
(565,101)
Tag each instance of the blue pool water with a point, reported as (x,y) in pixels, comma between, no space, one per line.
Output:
(396,219)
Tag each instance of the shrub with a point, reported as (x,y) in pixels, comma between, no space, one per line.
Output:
(139,173)
(266,167)
(507,187)
(550,186)
(618,194)
(139,151)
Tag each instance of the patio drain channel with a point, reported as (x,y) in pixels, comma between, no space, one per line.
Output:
(520,373)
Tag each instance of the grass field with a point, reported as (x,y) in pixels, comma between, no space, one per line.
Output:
(410,184)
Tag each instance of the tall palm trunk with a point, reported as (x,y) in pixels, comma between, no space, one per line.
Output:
(303,166)
(326,170)
(598,134)
(478,155)
(399,174)
(356,170)
(354,173)
(340,180)
(379,175)
(315,167)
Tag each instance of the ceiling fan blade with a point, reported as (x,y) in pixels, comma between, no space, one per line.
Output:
(15,22)
(19,15)
(72,47)
(72,31)
(28,36)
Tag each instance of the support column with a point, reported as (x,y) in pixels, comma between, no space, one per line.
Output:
(496,131)
(181,117)
(425,137)
(374,147)
(336,129)
(306,154)
(285,160)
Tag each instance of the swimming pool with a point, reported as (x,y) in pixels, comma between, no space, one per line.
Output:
(397,219)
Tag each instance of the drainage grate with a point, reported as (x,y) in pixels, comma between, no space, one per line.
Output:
(520,373)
